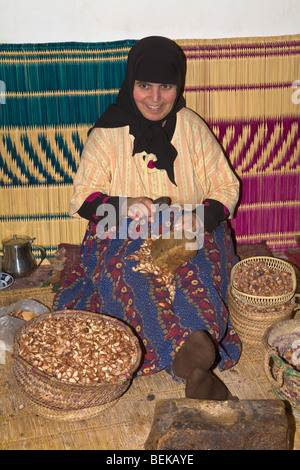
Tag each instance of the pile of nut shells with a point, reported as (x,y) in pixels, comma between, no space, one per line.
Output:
(146,265)
(78,350)
(257,278)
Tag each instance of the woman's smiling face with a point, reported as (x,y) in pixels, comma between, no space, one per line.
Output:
(154,100)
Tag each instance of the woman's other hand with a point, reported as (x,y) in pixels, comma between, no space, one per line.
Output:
(139,207)
(189,223)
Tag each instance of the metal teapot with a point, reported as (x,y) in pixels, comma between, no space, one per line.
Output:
(18,259)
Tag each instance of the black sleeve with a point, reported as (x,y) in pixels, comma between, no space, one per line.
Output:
(96,202)
(214,213)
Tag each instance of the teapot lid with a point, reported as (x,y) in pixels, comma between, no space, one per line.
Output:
(17,240)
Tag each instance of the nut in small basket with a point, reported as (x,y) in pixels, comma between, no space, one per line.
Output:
(263,281)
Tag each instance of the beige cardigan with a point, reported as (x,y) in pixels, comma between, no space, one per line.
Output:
(201,169)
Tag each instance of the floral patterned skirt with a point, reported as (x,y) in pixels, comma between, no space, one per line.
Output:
(105,282)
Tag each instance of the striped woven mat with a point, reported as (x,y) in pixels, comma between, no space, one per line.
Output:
(125,425)
(247,90)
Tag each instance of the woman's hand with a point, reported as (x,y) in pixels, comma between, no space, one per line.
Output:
(189,223)
(139,207)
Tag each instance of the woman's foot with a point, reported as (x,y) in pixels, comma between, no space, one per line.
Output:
(198,351)
(204,385)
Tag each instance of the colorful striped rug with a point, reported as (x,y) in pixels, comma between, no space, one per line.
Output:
(247,90)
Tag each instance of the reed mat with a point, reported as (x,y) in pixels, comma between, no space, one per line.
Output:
(246,89)
(126,425)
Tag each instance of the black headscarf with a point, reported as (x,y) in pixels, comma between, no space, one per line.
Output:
(153,59)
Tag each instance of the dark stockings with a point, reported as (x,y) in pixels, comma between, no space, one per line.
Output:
(193,363)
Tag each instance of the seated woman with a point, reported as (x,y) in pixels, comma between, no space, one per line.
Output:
(149,145)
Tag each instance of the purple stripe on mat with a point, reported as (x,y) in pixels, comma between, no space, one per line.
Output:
(242,50)
(245,45)
(267,220)
(242,54)
(276,150)
(271,188)
(239,87)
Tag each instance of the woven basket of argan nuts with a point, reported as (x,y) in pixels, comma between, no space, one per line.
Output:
(264,281)
(73,364)
(250,322)
(261,293)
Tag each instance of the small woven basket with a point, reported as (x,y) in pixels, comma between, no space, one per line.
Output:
(56,399)
(262,301)
(44,295)
(250,322)
(284,378)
